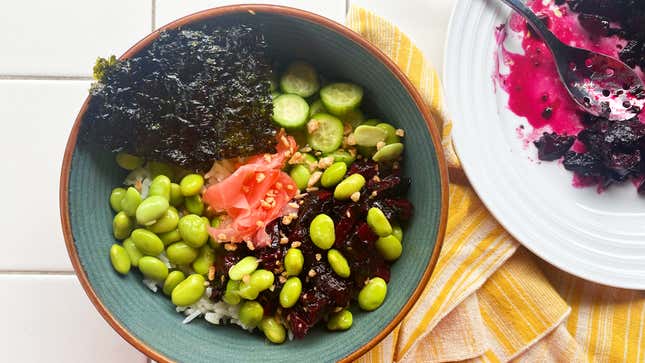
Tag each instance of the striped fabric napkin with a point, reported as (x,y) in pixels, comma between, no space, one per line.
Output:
(489,299)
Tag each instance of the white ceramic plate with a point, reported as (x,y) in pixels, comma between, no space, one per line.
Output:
(599,237)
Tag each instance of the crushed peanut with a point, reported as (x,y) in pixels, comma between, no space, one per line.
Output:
(311,273)
(278,185)
(399,132)
(267,157)
(297,158)
(325,162)
(306,149)
(284,240)
(286,220)
(376,178)
(221,237)
(314,178)
(246,278)
(351,140)
(379,145)
(211,273)
(294,205)
(289,187)
(318,257)
(355,197)
(206,283)
(259,177)
(230,247)
(312,189)
(250,245)
(338,309)
(259,224)
(313,125)
(282,279)
(374,194)
(296,244)
(347,129)
(284,140)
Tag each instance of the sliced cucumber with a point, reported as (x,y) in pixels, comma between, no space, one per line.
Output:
(275,94)
(316,107)
(300,79)
(354,117)
(326,133)
(340,98)
(290,111)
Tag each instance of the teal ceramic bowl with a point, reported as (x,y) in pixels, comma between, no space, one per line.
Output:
(149,321)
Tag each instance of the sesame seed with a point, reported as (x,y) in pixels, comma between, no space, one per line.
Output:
(355,197)
(312,189)
(314,178)
(250,245)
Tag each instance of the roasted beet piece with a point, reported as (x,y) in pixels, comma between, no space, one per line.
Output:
(585,164)
(553,146)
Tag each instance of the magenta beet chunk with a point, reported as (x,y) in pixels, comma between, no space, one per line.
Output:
(553,146)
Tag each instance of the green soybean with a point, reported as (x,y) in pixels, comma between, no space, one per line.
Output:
(191,184)
(245,266)
(189,291)
(388,152)
(372,294)
(160,186)
(194,204)
(170,237)
(389,247)
(366,135)
(193,230)
(174,278)
(147,242)
(128,162)
(392,137)
(341,321)
(151,209)
(397,232)
(333,174)
(153,268)
(231,295)
(352,184)
(130,201)
(251,313)
(204,260)
(122,226)
(120,260)
(156,168)
(322,232)
(293,261)
(273,330)
(167,223)
(261,279)
(300,174)
(180,253)
(115,199)
(134,253)
(290,292)
(378,222)
(344,156)
(248,292)
(176,198)
(338,263)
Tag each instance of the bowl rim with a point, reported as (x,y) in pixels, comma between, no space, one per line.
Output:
(290,12)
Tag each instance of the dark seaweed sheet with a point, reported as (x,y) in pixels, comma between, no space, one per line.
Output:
(197,94)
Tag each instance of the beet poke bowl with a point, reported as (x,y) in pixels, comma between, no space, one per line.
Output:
(253,183)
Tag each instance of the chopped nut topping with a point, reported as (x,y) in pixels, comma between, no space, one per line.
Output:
(395,165)
(284,240)
(314,178)
(294,205)
(246,278)
(272,288)
(300,195)
(318,153)
(399,132)
(376,178)
(313,125)
(211,273)
(348,213)
(230,247)
(306,149)
(284,140)
(278,185)
(351,140)
(379,145)
(259,224)
(352,152)
(282,279)
(297,158)
(355,197)
(267,157)
(296,244)
(374,194)
(312,189)
(338,309)
(318,257)
(286,220)
(289,187)
(347,129)
(259,177)
(325,162)
(250,245)
(221,237)
(311,273)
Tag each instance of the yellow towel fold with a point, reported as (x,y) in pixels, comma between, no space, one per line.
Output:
(489,299)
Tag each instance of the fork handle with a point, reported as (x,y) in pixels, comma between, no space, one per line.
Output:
(537,24)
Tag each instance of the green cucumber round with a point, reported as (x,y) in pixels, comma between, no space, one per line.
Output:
(326,133)
(290,111)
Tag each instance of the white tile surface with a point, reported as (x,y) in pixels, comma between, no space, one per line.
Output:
(44,37)
(424,21)
(168,10)
(50,319)
(35,117)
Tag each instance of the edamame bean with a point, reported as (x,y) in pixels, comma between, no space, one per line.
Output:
(261,279)
(245,266)
(193,230)
(333,174)
(160,186)
(341,321)
(273,330)
(338,263)
(122,226)
(344,156)
(130,201)
(180,253)
(378,222)
(194,205)
(174,278)
(176,198)
(388,152)
(191,184)
(156,168)
(366,135)
(397,232)
(251,313)
(248,292)
(290,292)
(293,262)
(119,258)
(391,137)
(134,254)
(300,174)
(372,294)
(147,242)
(170,237)
(153,268)
(127,161)
(389,247)
(115,199)
(231,296)
(204,261)
(189,291)
(352,184)
(151,209)
(167,223)
(322,232)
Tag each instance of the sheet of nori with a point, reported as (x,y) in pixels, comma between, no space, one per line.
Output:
(197,94)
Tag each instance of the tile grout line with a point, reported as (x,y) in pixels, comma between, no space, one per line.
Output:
(42,77)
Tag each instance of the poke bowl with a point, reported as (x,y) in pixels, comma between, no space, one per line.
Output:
(191,167)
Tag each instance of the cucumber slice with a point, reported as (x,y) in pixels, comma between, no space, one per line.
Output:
(300,79)
(275,94)
(316,107)
(326,134)
(290,111)
(354,117)
(340,98)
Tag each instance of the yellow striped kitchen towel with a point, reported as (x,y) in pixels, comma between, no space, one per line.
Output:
(489,299)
